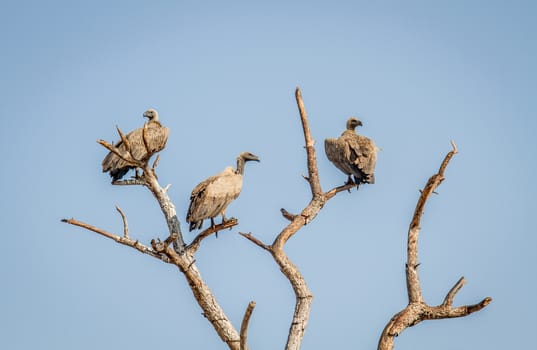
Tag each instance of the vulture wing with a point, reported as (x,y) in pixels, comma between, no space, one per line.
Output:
(361,154)
(211,197)
(156,136)
(338,152)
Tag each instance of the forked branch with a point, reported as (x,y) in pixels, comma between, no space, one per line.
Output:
(179,256)
(297,221)
(121,240)
(417,310)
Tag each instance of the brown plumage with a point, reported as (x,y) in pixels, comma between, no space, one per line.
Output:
(156,137)
(211,197)
(353,154)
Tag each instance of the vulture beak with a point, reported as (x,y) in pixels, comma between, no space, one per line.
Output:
(247,156)
(360,123)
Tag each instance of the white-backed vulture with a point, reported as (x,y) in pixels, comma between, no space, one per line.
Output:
(353,154)
(156,137)
(211,197)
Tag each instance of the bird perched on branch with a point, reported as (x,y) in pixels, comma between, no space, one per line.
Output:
(211,197)
(142,147)
(353,154)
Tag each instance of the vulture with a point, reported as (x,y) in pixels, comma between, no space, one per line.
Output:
(211,197)
(353,154)
(156,137)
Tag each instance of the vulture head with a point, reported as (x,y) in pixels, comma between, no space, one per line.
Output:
(247,156)
(353,123)
(151,114)
(243,158)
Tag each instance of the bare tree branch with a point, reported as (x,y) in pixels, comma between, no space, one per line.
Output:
(173,249)
(448,301)
(122,240)
(417,310)
(303,295)
(212,310)
(178,255)
(313,179)
(123,155)
(193,247)
(313,174)
(328,195)
(125,223)
(155,163)
(287,214)
(256,241)
(130,182)
(244,325)
(444,311)
(413,282)
(126,142)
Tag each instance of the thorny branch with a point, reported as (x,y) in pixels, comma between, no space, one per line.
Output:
(417,310)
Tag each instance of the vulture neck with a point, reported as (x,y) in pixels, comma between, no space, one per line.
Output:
(350,130)
(240,165)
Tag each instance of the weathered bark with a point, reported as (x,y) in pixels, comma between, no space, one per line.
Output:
(303,295)
(181,256)
(417,310)
(244,326)
(174,251)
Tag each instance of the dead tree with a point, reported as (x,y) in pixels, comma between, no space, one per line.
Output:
(417,310)
(174,251)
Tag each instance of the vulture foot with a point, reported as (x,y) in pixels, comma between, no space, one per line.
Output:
(225,221)
(213,226)
(352,183)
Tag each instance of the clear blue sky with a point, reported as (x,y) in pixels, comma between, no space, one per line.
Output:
(222,75)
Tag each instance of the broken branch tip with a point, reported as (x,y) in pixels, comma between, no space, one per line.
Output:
(455,150)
